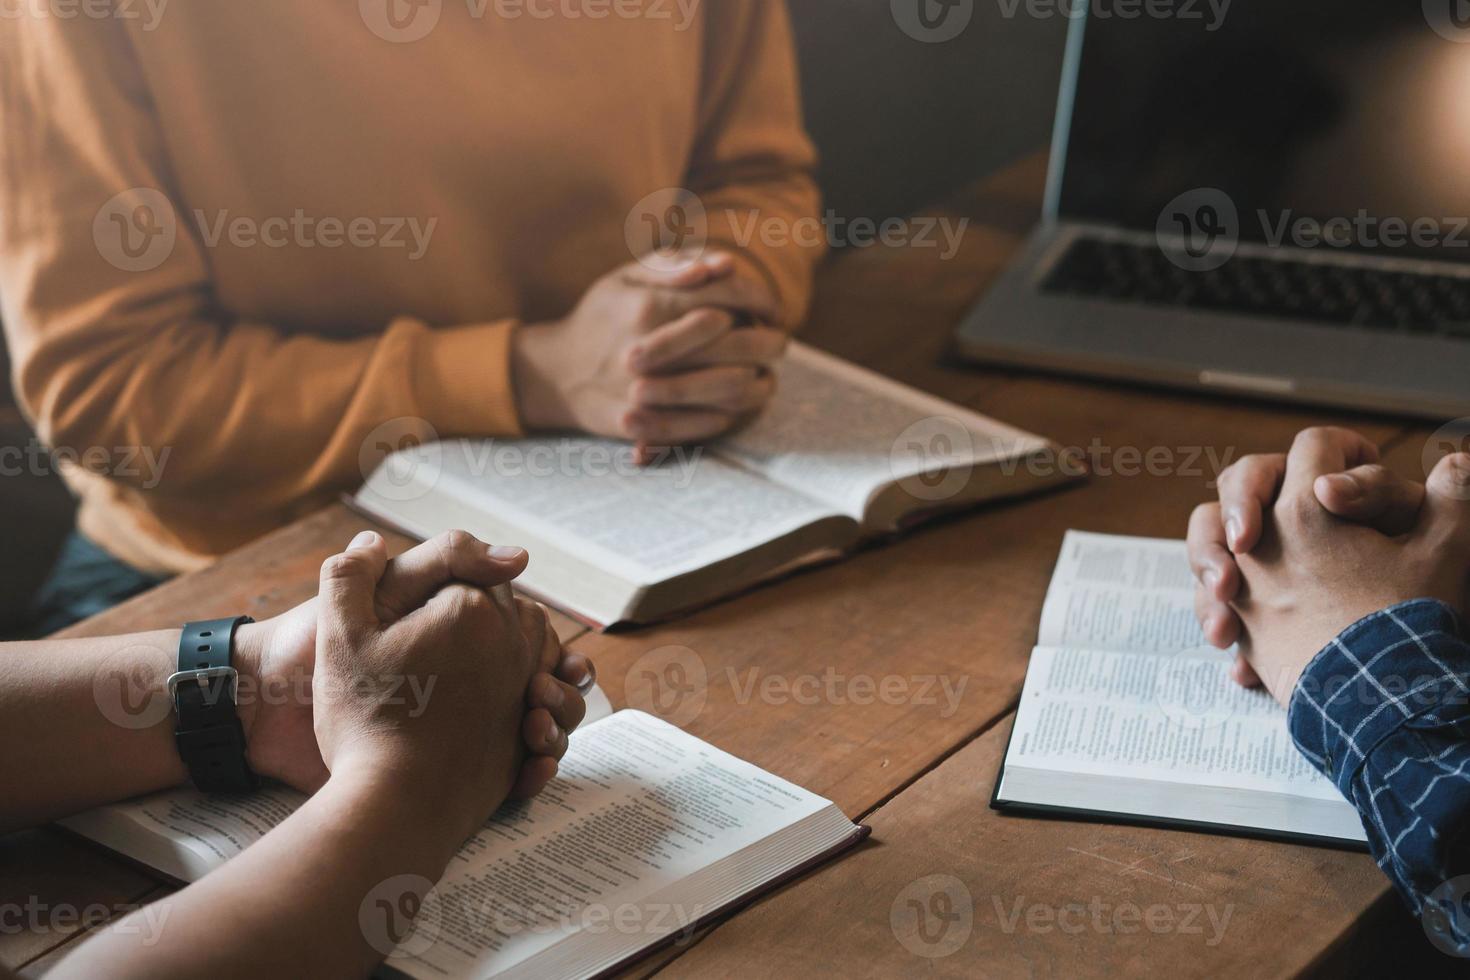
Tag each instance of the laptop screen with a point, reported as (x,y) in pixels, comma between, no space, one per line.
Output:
(1354,112)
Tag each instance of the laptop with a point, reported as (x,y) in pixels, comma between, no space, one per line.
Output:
(1274,202)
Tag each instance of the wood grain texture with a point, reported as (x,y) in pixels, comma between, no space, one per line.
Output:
(1043,898)
(52,885)
(852,679)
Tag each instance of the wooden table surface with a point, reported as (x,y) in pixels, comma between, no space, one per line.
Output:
(948,616)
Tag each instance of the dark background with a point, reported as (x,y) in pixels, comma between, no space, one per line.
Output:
(900,123)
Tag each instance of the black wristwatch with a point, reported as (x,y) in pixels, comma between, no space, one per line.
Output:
(207,730)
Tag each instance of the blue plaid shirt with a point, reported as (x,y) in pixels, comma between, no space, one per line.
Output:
(1384,712)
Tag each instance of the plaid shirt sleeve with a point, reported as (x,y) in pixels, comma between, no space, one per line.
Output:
(1384,712)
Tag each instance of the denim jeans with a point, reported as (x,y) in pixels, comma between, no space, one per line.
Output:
(85,581)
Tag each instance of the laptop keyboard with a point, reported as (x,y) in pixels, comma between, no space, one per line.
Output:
(1331,294)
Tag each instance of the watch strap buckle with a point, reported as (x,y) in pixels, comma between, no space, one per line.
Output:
(202,676)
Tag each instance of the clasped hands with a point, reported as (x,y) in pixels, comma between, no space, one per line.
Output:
(424,674)
(1301,546)
(661,358)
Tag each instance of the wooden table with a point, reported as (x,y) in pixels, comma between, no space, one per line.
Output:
(955,603)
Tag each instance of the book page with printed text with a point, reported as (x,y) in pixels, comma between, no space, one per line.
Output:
(841,434)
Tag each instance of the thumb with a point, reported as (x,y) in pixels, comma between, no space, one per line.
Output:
(349,583)
(1447,498)
(689,271)
(1372,495)
(415,576)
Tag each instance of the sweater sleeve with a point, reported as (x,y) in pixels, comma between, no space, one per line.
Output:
(753,164)
(110,312)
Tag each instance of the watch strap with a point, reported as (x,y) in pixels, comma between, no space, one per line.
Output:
(207,728)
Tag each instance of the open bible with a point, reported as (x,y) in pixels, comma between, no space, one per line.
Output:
(841,455)
(646,834)
(1128,715)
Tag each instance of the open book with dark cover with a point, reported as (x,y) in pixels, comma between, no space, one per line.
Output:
(1127,715)
(842,455)
(646,835)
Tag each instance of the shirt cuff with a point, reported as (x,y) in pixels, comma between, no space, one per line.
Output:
(1378,674)
(464,381)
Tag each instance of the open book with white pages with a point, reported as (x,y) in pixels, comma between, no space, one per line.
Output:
(646,834)
(841,456)
(1128,715)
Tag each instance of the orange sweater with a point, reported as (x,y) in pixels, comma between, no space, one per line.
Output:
(246,234)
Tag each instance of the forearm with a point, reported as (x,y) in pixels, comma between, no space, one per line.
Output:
(198,396)
(325,894)
(84,722)
(754,166)
(773,230)
(88,722)
(1384,712)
